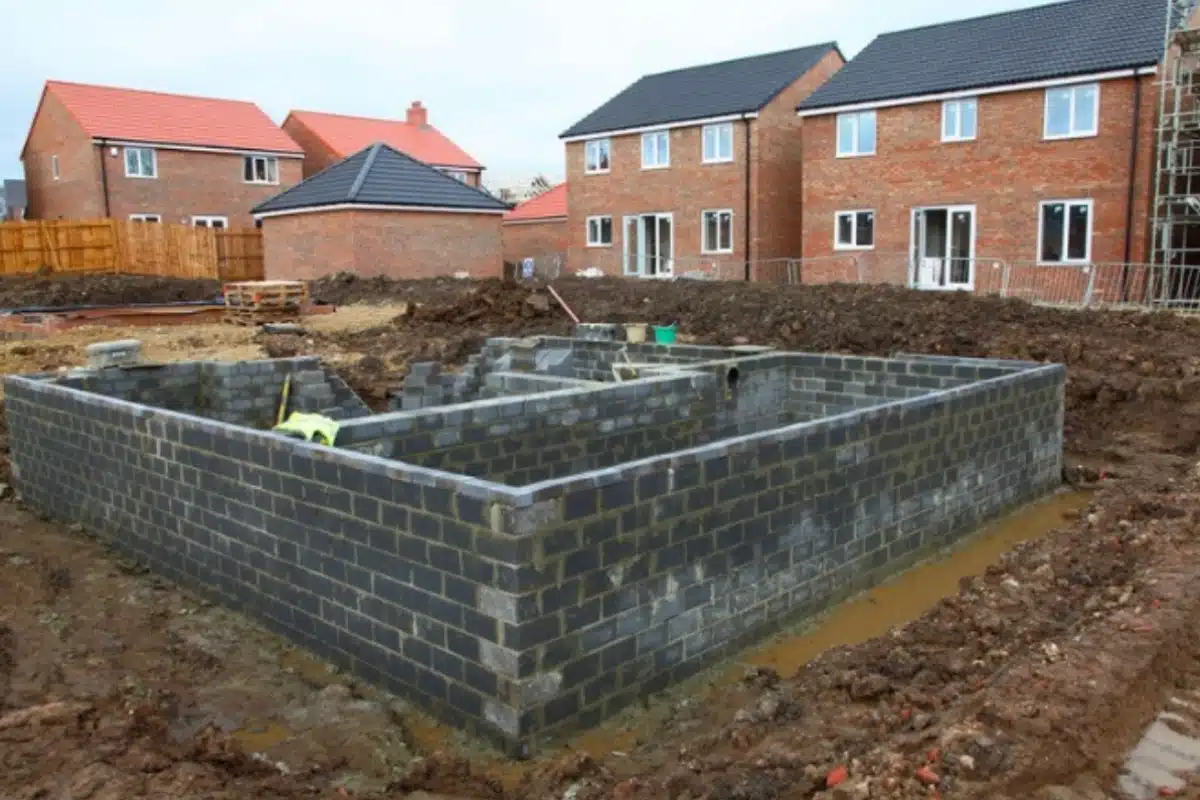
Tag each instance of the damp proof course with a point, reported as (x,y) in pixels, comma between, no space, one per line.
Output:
(557,531)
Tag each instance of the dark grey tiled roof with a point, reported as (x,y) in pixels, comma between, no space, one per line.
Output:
(711,90)
(14,193)
(381,175)
(1052,41)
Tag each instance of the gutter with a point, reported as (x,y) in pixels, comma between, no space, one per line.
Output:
(746,120)
(104,177)
(1131,196)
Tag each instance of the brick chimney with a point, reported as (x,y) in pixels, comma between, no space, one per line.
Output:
(417,115)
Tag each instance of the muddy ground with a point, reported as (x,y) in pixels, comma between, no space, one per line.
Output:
(1036,676)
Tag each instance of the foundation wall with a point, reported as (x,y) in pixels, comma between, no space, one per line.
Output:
(645,573)
(519,611)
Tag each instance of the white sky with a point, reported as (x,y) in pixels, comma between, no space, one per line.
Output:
(502,78)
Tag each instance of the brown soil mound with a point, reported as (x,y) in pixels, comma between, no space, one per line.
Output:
(38,291)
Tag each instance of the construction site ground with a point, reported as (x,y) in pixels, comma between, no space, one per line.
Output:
(1027,665)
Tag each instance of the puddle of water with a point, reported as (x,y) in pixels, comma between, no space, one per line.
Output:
(258,738)
(873,613)
(912,593)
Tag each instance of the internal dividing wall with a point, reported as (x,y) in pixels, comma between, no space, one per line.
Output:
(520,611)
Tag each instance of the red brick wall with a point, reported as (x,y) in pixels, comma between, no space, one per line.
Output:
(317,154)
(193,184)
(532,239)
(1004,173)
(688,187)
(188,183)
(76,193)
(398,244)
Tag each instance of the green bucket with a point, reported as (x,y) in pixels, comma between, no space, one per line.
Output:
(664,334)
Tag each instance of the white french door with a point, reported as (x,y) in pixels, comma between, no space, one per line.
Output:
(943,248)
(649,245)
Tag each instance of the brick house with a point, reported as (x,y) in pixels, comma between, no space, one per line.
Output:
(946,156)
(99,151)
(381,212)
(537,227)
(692,168)
(329,138)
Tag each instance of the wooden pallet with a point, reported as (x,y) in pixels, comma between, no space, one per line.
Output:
(260,316)
(266,295)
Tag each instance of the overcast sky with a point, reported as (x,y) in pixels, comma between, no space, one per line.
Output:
(501,77)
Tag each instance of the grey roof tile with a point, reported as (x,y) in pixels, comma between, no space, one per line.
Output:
(1044,42)
(729,87)
(381,175)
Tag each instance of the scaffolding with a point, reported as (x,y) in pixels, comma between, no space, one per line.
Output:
(1176,210)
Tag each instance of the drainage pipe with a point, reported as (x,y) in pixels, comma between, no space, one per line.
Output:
(1129,200)
(104,176)
(746,246)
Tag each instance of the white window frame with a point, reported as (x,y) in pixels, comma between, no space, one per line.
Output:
(704,248)
(654,136)
(267,161)
(853,213)
(716,130)
(458,174)
(957,105)
(1066,260)
(145,218)
(854,116)
(55,171)
(594,145)
(1072,131)
(599,220)
(206,220)
(153,163)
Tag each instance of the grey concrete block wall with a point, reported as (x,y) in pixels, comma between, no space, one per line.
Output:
(520,611)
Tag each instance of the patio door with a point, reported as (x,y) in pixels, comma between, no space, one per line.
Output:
(943,248)
(649,245)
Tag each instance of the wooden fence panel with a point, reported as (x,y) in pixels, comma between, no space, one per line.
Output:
(129,247)
(240,255)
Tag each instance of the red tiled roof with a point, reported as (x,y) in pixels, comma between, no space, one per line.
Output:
(346,135)
(551,203)
(155,117)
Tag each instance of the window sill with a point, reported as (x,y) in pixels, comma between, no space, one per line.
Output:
(958,140)
(855,155)
(260,183)
(142,177)
(658,166)
(1062,136)
(853,247)
(596,171)
(1087,262)
(716,252)
(718,161)
(598,246)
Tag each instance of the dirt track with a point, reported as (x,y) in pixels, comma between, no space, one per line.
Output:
(1041,672)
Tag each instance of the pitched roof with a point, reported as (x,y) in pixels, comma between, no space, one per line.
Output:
(711,90)
(381,176)
(548,204)
(345,135)
(1052,41)
(155,117)
(14,193)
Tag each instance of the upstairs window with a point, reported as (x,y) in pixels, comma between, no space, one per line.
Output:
(54,171)
(1072,111)
(656,150)
(596,155)
(145,218)
(457,174)
(260,169)
(718,231)
(856,134)
(958,120)
(718,143)
(1065,232)
(854,230)
(140,162)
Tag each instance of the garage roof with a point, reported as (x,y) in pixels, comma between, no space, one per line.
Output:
(381,177)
